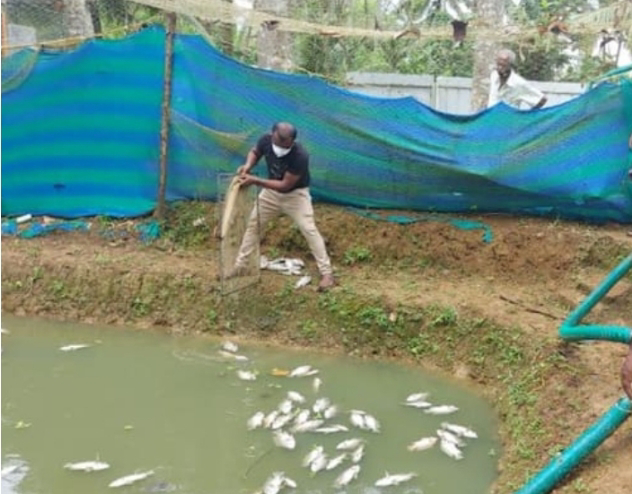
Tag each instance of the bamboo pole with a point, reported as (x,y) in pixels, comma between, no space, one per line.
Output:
(5,33)
(161,207)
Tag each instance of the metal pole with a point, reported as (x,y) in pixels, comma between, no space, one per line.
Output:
(161,207)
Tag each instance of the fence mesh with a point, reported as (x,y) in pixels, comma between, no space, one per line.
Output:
(329,38)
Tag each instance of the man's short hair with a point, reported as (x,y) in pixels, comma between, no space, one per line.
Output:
(286,130)
(508,54)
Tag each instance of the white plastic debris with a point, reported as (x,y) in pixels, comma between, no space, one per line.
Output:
(24,218)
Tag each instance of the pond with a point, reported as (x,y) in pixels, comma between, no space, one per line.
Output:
(175,410)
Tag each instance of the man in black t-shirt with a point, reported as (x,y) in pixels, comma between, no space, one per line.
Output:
(286,190)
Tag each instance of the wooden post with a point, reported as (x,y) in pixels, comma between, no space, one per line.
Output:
(5,33)
(161,207)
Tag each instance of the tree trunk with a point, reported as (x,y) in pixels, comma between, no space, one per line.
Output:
(95,16)
(227,33)
(491,16)
(274,48)
(76,19)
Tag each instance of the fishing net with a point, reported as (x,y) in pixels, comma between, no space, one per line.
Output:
(234,206)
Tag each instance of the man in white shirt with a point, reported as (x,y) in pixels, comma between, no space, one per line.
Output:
(508,86)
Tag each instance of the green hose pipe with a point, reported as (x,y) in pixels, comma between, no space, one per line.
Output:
(617,334)
(597,294)
(585,444)
(571,330)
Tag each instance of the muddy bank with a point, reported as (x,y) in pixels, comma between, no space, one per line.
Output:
(426,293)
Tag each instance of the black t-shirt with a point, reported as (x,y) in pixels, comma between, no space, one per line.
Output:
(295,162)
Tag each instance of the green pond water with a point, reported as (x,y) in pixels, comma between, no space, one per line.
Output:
(146,401)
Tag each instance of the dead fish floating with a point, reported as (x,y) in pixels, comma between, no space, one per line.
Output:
(284,440)
(303,371)
(349,444)
(423,444)
(347,476)
(130,479)
(255,421)
(276,482)
(459,430)
(246,375)
(394,479)
(87,466)
(229,346)
(417,397)
(73,347)
(441,409)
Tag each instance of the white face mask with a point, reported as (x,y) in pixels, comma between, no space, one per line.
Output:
(279,151)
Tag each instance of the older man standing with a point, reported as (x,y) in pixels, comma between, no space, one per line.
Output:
(286,190)
(508,86)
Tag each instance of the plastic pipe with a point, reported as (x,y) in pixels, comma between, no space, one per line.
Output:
(598,293)
(592,437)
(617,334)
(585,444)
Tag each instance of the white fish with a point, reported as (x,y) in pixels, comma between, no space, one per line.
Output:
(394,479)
(357,420)
(246,375)
(302,417)
(280,421)
(334,462)
(451,449)
(416,397)
(238,358)
(357,455)
(130,479)
(422,444)
(330,429)
(8,470)
(441,409)
(330,412)
(229,346)
(448,436)
(71,348)
(349,443)
(312,455)
(87,466)
(289,482)
(310,425)
(270,418)
(418,404)
(319,463)
(303,370)
(459,430)
(316,384)
(256,420)
(347,476)
(321,404)
(303,281)
(371,423)
(284,440)
(274,483)
(296,397)
(285,406)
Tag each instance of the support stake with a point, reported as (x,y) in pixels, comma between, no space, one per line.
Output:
(159,212)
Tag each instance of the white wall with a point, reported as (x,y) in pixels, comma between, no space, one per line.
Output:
(446,94)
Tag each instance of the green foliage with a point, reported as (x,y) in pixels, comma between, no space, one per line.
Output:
(188,224)
(356,255)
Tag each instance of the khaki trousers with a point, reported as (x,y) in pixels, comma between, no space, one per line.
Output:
(297,204)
